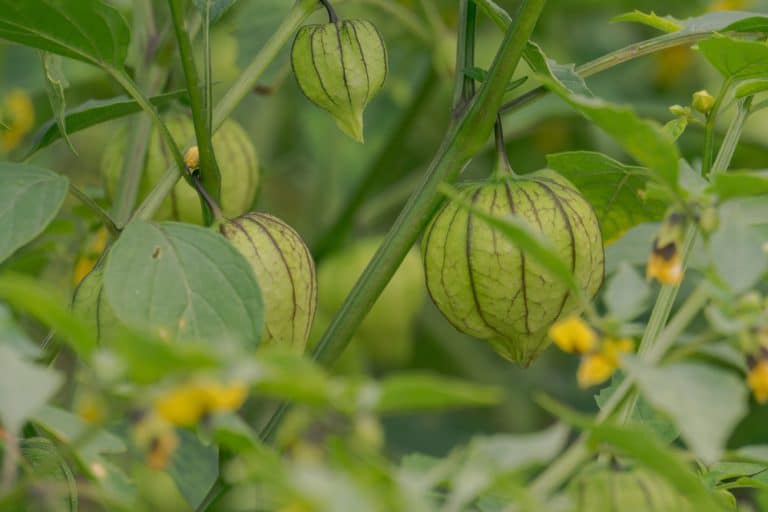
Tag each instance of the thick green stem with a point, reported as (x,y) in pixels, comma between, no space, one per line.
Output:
(108,221)
(464,86)
(382,166)
(732,136)
(209,171)
(239,90)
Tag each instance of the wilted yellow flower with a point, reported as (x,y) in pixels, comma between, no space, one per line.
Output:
(665,264)
(186,404)
(156,438)
(18,116)
(758,380)
(574,335)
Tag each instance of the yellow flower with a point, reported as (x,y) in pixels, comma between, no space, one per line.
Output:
(729,5)
(572,334)
(599,366)
(187,404)
(594,369)
(18,118)
(758,380)
(665,264)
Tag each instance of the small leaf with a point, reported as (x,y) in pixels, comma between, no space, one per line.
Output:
(181,281)
(24,388)
(30,197)
(613,189)
(665,24)
(55,83)
(686,392)
(627,293)
(216,8)
(86,30)
(645,140)
(736,59)
(409,392)
(194,467)
(676,127)
(95,112)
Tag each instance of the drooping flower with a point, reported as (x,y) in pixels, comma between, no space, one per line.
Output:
(186,404)
(573,335)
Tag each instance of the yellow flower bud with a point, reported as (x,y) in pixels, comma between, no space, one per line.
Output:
(192,158)
(703,101)
(573,335)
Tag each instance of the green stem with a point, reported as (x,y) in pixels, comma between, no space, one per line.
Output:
(81,196)
(732,136)
(683,317)
(239,90)
(209,171)
(464,86)
(709,129)
(382,166)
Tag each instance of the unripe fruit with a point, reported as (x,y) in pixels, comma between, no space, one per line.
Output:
(234,153)
(385,332)
(286,274)
(340,66)
(487,287)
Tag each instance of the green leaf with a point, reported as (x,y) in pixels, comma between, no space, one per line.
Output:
(733,184)
(48,306)
(194,467)
(736,59)
(288,376)
(627,293)
(30,197)
(676,127)
(750,88)
(181,281)
(480,75)
(55,83)
(736,253)
(24,388)
(756,453)
(613,189)
(216,8)
(737,474)
(418,392)
(86,30)
(665,24)
(643,416)
(94,112)
(563,74)
(685,392)
(643,139)
(491,458)
(522,235)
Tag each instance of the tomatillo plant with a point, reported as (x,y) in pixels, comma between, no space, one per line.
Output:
(166,344)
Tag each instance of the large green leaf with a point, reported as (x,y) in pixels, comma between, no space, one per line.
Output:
(24,388)
(737,59)
(181,281)
(45,465)
(194,467)
(626,294)
(685,392)
(86,30)
(489,459)
(645,140)
(30,197)
(408,392)
(94,112)
(613,189)
(735,250)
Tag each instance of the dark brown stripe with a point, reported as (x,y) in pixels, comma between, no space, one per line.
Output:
(341,56)
(445,255)
(365,64)
(522,263)
(314,65)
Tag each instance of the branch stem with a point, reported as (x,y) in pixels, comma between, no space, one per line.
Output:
(108,221)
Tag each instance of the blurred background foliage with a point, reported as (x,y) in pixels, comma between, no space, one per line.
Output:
(310,168)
